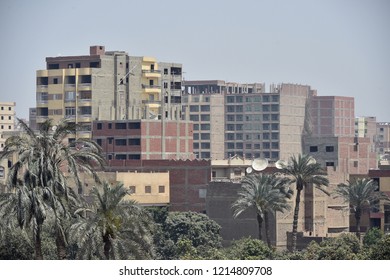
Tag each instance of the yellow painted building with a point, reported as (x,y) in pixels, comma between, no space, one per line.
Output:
(147,188)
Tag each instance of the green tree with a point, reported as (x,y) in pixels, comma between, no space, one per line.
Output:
(113,227)
(249,249)
(38,176)
(361,194)
(344,247)
(381,250)
(264,193)
(372,236)
(304,172)
(187,235)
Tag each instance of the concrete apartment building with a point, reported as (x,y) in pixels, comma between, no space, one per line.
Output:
(331,138)
(382,144)
(144,139)
(7,126)
(106,85)
(245,119)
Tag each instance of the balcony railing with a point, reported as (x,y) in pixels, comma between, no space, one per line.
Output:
(151,71)
(151,86)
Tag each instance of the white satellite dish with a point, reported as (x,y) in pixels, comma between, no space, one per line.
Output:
(249,170)
(259,164)
(280,164)
(312,160)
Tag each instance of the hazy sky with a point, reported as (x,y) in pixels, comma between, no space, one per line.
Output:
(337,47)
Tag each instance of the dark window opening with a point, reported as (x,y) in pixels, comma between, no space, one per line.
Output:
(70,80)
(85,79)
(99,142)
(313,149)
(175,71)
(135,125)
(94,64)
(120,126)
(329,149)
(110,126)
(120,142)
(78,65)
(42,81)
(120,156)
(53,66)
(134,156)
(134,142)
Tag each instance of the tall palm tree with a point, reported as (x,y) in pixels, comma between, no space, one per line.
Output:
(304,172)
(113,227)
(265,194)
(43,157)
(360,194)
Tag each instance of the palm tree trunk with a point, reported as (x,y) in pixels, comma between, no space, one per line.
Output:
(107,246)
(38,243)
(358,214)
(260,223)
(266,224)
(61,245)
(295,221)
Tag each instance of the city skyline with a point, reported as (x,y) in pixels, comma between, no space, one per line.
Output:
(337,47)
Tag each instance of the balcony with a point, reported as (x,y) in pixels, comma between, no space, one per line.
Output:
(84,86)
(151,73)
(84,118)
(84,102)
(151,88)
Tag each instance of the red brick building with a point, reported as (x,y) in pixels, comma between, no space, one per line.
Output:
(144,139)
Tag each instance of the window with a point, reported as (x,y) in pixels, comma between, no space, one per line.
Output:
(161,189)
(329,163)
(138,156)
(120,126)
(194,108)
(110,140)
(355,148)
(313,149)
(110,126)
(2,172)
(275,126)
(355,163)
(99,142)
(205,117)
(148,189)
(165,71)
(230,146)
(205,145)
(132,189)
(205,126)
(275,145)
(135,125)
(70,111)
(70,96)
(134,142)
(205,108)
(329,149)
(194,118)
(42,97)
(99,126)
(230,99)
(120,156)
(230,118)
(205,136)
(120,142)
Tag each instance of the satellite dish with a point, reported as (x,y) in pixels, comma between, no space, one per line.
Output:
(280,164)
(259,164)
(312,160)
(249,170)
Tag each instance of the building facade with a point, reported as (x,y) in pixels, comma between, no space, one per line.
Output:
(144,139)
(250,121)
(105,85)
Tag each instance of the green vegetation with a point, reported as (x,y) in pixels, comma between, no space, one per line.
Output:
(264,193)
(41,217)
(304,173)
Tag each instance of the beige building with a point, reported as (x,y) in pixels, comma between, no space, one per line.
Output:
(106,85)
(246,119)
(147,188)
(7,127)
